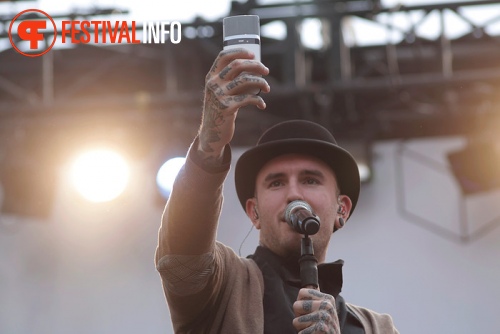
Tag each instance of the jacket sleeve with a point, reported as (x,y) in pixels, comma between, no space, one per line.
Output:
(189,222)
(189,263)
(214,293)
(193,286)
(373,322)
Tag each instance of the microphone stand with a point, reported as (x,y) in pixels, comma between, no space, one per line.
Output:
(308,264)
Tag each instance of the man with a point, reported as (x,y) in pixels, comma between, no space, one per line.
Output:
(208,287)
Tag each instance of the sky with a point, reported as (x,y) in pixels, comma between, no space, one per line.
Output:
(183,11)
(362,32)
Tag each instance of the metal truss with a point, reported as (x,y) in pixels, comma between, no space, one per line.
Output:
(412,86)
(143,96)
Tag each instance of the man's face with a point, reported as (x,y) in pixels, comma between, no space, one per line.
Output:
(282,180)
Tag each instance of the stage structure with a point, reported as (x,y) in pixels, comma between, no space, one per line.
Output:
(416,82)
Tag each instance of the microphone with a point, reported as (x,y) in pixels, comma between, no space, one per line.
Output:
(298,214)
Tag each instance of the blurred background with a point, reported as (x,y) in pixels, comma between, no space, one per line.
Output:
(411,88)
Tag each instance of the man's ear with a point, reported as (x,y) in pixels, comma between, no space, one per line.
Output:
(253,212)
(345,205)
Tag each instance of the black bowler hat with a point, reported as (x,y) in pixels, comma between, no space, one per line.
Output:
(302,137)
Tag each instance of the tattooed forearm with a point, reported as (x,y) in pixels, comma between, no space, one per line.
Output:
(207,137)
(212,119)
(220,105)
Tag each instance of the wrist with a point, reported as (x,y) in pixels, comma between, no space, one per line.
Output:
(207,155)
(210,157)
(210,144)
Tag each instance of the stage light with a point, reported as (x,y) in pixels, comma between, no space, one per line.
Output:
(167,174)
(365,172)
(100,175)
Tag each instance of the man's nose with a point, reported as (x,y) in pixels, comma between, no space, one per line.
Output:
(294,192)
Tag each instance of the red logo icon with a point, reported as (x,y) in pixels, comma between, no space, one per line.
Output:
(30,30)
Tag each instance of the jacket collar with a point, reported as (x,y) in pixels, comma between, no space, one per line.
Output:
(329,274)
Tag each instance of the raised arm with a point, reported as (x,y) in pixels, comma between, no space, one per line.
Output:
(190,219)
(233,74)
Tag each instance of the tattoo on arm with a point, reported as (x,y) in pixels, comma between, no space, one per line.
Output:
(212,119)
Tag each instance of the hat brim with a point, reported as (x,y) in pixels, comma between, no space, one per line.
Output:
(339,160)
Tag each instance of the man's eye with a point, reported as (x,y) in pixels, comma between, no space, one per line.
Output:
(311,181)
(275,184)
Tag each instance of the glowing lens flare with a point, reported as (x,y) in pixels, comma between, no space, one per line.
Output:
(167,174)
(100,175)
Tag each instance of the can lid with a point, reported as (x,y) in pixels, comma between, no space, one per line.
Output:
(241,25)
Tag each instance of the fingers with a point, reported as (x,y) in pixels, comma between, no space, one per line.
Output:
(235,79)
(315,312)
(246,82)
(227,56)
(313,294)
(308,305)
(233,82)
(311,313)
(239,66)
(231,103)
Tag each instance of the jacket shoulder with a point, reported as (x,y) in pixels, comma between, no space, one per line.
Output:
(373,322)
